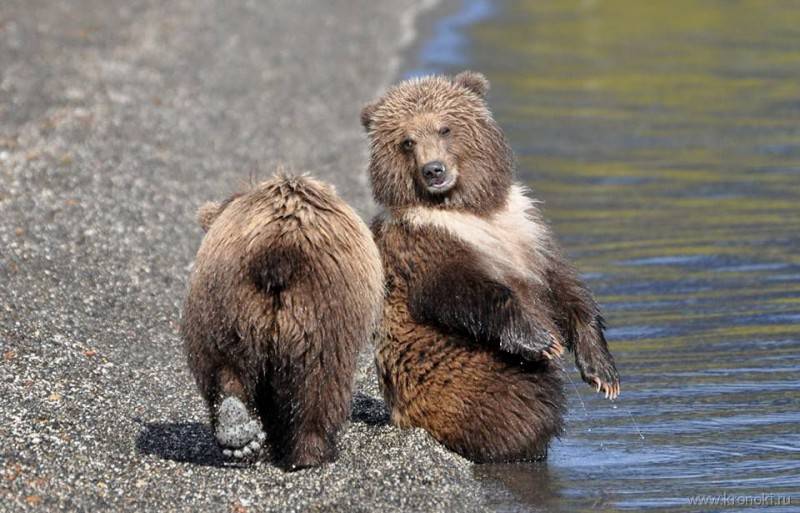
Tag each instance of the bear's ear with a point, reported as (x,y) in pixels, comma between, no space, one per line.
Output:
(366,114)
(474,81)
(207,212)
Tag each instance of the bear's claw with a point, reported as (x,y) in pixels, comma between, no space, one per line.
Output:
(611,391)
(554,350)
(609,386)
(532,343)
(237,433)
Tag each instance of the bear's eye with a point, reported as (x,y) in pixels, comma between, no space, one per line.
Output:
(444,131)
(407,144)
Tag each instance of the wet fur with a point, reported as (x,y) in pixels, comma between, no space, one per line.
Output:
(286,289)
(480,300)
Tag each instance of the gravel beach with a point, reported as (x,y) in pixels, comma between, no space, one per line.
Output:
(117,119)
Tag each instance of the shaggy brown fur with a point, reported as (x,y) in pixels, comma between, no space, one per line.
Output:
(480,301)
(286,288)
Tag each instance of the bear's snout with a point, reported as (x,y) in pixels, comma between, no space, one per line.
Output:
(433,171)
(436,177)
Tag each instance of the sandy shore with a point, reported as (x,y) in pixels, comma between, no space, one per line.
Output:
(117,119)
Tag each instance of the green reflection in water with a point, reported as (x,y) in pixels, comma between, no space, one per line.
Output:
(664,139)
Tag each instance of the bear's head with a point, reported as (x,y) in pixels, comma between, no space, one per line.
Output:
(433,142)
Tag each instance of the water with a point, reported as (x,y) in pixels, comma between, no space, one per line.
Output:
(664,138)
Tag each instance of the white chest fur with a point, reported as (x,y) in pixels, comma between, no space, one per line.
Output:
(510,242)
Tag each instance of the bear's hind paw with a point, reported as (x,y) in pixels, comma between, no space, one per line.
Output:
(238,435)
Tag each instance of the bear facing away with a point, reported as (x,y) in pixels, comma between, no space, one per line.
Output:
(480,302)
(287,287)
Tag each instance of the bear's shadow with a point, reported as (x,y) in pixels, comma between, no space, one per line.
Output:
(368,410)
(194,442)
(185,442)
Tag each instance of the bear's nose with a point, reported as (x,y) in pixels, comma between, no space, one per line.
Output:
(433,170)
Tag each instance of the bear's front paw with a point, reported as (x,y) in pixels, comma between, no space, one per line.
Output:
(600,373)
(238,435)
(532,343)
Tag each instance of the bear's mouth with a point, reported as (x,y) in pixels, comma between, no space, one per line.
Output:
(440,184)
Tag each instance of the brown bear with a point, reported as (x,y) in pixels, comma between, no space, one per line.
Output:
(480,301)
(287,287)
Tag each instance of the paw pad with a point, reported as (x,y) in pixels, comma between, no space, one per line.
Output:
(238,434)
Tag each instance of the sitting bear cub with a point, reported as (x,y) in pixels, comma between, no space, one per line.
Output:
(480,301)
(287,287)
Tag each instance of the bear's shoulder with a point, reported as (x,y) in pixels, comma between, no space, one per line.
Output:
(512,241)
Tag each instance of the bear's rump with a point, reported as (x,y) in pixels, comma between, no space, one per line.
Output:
(474,400)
